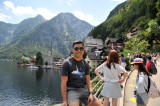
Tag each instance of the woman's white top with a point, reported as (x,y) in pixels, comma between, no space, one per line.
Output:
(141,85)
(110,75)
(141,82)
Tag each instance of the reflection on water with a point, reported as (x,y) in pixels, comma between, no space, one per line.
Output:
(22,86)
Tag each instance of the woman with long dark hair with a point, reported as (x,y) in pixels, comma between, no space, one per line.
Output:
(141,85)
(111,70)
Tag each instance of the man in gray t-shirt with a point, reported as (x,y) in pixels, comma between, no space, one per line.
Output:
(75,76)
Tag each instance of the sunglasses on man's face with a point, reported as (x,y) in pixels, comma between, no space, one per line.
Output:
(78,48)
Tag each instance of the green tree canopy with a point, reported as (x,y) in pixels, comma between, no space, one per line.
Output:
(39,60)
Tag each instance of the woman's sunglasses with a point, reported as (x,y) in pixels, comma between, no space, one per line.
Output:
(135,64)
(78,48)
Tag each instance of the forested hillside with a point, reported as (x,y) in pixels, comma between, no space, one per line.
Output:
(6,32)
(131,13)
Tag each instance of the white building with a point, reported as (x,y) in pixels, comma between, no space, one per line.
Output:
(91,43)
(93,59)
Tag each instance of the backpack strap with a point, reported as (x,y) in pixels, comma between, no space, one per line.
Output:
(147,90)
(149,82)
(70,59)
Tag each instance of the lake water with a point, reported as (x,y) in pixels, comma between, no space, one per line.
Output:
(21,86)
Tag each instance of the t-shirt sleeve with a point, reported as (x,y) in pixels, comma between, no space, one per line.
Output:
(100,68)
(87,71)
(148,65)
(65,69)
(119,68)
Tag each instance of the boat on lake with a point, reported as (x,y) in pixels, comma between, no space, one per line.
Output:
(48,66)
(32,67)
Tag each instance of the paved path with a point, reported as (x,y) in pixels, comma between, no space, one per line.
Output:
(128,97)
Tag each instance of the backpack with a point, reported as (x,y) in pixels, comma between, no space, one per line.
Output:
(153,91)
(153,69)
(122,59)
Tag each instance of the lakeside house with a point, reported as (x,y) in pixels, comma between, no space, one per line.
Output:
(97,52)
(91,44)
(114,43)
(94,60)
(133,31)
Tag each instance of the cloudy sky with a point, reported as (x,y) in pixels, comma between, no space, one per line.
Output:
(92,11)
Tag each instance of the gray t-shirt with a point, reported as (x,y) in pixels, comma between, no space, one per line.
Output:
(76,71)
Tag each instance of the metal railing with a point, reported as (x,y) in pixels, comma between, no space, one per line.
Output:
(97,94)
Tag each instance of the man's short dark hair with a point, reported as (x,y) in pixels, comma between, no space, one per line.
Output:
(149,57)
(77,42)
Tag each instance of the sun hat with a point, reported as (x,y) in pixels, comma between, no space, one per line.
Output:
(137,60)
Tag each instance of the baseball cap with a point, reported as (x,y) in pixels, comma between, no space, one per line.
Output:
(137,60)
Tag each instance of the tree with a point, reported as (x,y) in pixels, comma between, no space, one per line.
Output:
(142,46)
(39,60)
(46,63)
(138,43)
(158,8)
(154,29)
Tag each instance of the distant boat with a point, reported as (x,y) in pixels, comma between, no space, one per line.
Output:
(21,65)
(48,66)
(32,67)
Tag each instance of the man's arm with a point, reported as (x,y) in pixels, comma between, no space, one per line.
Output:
(89,85)
(64,80)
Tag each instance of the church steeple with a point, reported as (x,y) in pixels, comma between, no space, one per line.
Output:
(50,49)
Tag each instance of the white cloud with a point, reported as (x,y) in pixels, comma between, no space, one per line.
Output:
(9,4)
(20,10)
(3,17)
(69,2)
(119,0)
(23,10)
(45,13)
(82,16)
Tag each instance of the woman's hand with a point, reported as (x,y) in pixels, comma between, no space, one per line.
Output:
(101,79)
(98,75)
(121,81)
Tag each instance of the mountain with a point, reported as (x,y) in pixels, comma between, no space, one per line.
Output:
(6,32)
(115,10)
(11,33)
(60,31)
(26,26)
(126,16)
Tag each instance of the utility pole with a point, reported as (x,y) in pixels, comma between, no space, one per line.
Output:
(136,48)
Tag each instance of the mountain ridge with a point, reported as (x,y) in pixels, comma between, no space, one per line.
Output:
(62,30)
